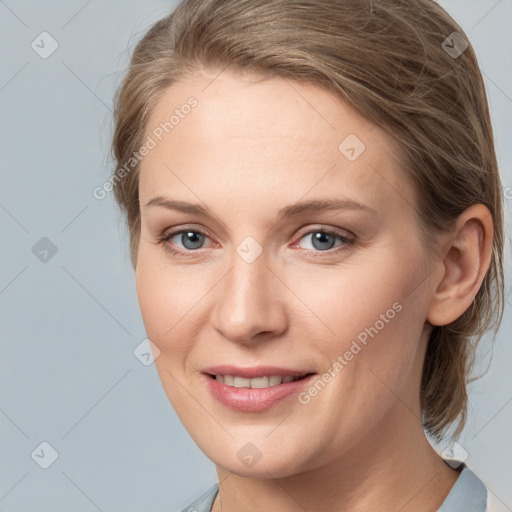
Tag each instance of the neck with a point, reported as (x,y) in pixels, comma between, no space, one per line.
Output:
(395,468)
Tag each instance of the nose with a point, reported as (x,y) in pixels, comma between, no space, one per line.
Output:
(249,305)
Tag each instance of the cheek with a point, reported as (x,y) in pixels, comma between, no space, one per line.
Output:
(170,298)
(154,299)
(367,320)
(345,303)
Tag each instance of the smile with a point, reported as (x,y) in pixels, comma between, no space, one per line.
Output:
(254,389)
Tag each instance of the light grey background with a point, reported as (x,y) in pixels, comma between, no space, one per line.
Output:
(69,325)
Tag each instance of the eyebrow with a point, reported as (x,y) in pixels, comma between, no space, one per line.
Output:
(293,210)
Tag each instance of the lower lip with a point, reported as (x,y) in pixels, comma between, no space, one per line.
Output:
(257,399)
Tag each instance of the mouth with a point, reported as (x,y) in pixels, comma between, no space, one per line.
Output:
(254,389)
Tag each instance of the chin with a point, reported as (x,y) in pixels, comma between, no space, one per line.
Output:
(263,470)
(258,459)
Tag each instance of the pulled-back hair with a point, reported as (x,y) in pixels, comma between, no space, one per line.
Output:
(398,63)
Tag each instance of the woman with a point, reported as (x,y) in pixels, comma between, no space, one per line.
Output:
(315,219)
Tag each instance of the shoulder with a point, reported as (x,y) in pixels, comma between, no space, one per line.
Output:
(468,494)
(205,502)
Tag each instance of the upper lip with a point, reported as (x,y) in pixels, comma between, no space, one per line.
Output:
(253,371)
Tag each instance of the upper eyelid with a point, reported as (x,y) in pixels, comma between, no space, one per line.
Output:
(327,229)
(170,233)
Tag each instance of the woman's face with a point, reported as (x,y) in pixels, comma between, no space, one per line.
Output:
(297,257)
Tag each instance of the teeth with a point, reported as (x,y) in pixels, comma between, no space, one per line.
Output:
(240,382)
(261,382)
(275,380)
(257,383)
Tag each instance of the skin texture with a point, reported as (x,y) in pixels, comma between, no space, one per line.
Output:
(249,148)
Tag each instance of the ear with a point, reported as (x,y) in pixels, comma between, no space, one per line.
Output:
(466,258)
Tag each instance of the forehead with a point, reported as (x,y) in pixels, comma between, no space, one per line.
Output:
(255,108)
(247,134)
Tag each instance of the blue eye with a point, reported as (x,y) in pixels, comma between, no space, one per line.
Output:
(190,239)
(323,240)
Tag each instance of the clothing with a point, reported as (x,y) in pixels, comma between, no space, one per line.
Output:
(468,494)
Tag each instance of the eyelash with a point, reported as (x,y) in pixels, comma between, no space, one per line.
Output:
(346,241)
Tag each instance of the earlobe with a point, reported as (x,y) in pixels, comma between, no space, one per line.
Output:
(466,259)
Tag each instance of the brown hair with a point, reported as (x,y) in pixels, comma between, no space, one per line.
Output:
(394,61)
